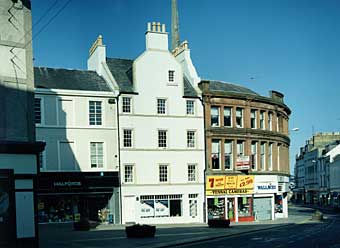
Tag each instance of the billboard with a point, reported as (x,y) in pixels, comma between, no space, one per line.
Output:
(226,185)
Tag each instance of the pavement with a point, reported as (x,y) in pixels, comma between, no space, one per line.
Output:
(105,235)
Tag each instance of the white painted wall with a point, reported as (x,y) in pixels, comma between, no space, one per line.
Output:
(150,76)
(334,171)
(77,130)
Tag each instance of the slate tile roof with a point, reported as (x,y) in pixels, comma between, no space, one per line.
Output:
(53,78)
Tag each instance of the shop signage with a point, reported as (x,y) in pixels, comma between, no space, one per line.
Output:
(66,184)
(243,162)
(266,187)
(220,185)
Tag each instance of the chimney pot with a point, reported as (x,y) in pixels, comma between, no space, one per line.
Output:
(153,26)
(149,26)
(163,28)
(158,27)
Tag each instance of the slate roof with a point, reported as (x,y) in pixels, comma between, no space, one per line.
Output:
(53,78)
(228,87)
(121,70)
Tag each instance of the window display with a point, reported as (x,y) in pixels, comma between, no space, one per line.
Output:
(278,204)
(216,208)
(245,206)
(160,206)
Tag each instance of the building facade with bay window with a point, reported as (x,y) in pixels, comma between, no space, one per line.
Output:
(247,144)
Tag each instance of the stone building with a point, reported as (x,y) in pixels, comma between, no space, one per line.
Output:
(247,152)
(18,148)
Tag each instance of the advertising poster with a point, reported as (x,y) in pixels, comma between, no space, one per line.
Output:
(225,185)
(147,208)
(162,208)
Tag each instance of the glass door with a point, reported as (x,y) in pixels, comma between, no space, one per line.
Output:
(231,208)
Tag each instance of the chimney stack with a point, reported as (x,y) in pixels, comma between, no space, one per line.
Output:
(97,55)
(156,36)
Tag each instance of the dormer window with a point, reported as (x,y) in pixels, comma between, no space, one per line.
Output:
(171,75)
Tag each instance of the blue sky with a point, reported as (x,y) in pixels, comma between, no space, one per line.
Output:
(291,46)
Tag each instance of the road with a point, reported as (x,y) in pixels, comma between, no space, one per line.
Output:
(308,234)
(296,231)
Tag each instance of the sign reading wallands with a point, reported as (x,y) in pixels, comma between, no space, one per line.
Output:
(222,185)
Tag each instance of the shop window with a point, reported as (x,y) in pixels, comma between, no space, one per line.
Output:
(161,206)
(215,116)
(190,107)
(227,117)
(126,104)
(278,204)
(95,113)
(228,155)
(253,118)
(239,117)
(245,206)
(216,208)
(215,155)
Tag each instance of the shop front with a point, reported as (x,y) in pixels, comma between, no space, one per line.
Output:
(230,197)
(68,196)
(267,202)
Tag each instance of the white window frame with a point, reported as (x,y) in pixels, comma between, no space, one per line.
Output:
(129,106)
(262,120)
(165,106)
(230,154)
(97,155)
(240,147)
(254,153)
(192,174)
(262,156)
(171,76)
(218,116)
(270,156)
(253,111)
(190,110)
(42,120)
(189,145)
(132,173)
(193,199)
(131,139)
(159,140)
(214,153)
(270,121)
(95,113)
(242,117)
(231,116)
(160,166)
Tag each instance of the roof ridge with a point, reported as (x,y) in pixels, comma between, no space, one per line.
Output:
(66,69)
(119,58)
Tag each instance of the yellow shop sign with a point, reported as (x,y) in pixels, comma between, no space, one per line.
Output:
(221,185)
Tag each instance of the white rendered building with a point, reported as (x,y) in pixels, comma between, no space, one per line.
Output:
(161,131)
(76,116)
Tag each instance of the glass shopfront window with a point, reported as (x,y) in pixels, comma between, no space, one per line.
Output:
(278,204)
(216,208)
(245,206)
(161,206)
